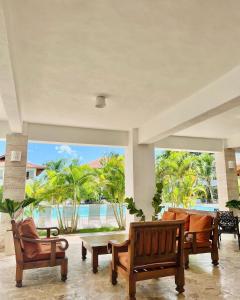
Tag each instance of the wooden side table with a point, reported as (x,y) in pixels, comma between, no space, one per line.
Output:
(97,245)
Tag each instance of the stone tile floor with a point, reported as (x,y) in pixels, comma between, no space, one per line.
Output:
(203,281)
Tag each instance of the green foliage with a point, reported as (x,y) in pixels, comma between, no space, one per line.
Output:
(178,172)
(111,183)
(157,201)
(233,204)
(14,208)
(133,210)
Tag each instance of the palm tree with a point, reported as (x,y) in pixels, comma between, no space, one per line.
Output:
(75,178)
(112,182)
(178,173)
(207,173)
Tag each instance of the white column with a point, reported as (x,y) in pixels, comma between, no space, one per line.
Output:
(226,177)
(14,176)
(140,173)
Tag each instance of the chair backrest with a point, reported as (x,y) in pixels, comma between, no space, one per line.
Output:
(227,219)
(153,243)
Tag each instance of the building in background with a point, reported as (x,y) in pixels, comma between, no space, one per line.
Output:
(32,170)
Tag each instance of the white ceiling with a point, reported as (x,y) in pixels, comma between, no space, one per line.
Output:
(221,126)
(147,55)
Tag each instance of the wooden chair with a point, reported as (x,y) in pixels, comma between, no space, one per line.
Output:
(153,251)
(52,254)
(192,244)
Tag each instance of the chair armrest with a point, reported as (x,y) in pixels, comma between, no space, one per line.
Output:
(120,247)
(53,242)
(48,240)
(48,229)
(199,231)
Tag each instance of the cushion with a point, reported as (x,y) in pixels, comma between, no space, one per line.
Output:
(168,216)
(198,223)
(45,252)
(185,217)
(28,229)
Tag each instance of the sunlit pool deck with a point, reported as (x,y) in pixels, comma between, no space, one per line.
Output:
(203,281)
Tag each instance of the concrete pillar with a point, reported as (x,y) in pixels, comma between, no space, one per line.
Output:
(226,177)
(14,176)
(140,173)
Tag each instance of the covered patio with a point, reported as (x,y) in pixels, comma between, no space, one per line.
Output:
(169,74)
(202,280)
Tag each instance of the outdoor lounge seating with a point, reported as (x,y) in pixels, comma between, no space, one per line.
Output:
(201,231)
(154,251)
(228,223)
(34,252)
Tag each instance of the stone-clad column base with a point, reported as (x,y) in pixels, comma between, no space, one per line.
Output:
(226,178)
(14,176)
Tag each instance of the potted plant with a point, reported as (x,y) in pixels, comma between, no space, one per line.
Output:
(14,209)
(133,209)
(156,204)
(234,206)
(157,201)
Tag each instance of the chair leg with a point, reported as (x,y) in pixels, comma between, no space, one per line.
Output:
(186,260)
(19,276)
(179,280)
(64,270)
(214,256)
(114,275)
(131,286)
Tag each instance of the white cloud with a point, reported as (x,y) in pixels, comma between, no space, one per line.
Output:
(65,149)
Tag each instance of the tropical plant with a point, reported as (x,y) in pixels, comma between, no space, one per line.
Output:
(233,204)
(206,173)
(178,173)
(14,208)
(157,201)
(66,183)
(131,206)
(34,189)
(111,180)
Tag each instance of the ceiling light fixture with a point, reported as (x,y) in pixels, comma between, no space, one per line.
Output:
(100,101)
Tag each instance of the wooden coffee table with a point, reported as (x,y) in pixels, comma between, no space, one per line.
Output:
(97,245)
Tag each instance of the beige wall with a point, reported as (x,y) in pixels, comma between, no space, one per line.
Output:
(227,178)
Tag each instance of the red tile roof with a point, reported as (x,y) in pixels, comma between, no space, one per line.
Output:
(29,164)
(95,164)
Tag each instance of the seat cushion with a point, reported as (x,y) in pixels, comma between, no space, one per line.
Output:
(45,253)
(168,216)
(199,223)
(123,259)
(27,228)
(185,217)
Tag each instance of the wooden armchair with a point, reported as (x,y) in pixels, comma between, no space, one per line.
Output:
(153,251)
(34,252)
(202,234)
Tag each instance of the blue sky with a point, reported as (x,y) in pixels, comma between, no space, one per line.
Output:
(41,153)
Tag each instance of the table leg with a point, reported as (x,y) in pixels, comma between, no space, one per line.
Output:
(94,261)
(84,252)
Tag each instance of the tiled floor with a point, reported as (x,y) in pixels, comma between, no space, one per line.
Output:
(203,281)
